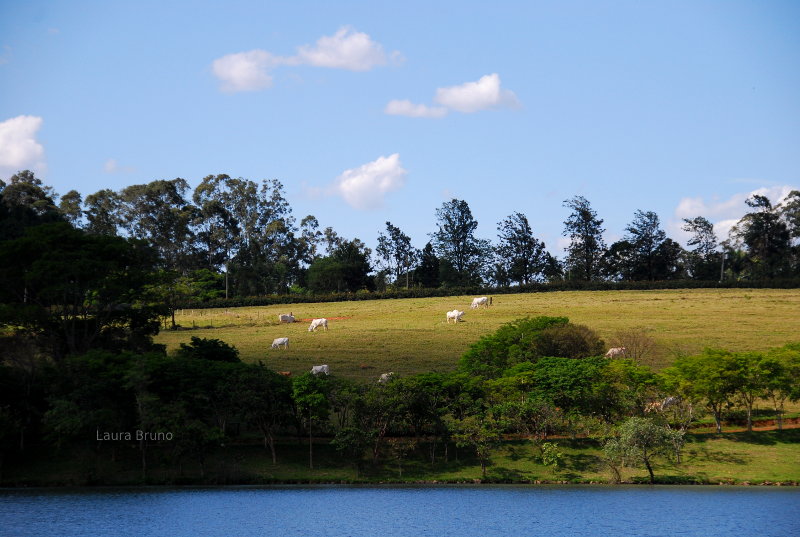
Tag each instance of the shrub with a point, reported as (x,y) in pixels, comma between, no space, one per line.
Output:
(569,341)
(209,349)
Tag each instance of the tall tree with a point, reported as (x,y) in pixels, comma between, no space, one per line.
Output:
(396,253)
(25,202)
(704,259)
(103,212)
(75,291)
(70,207)
(645,235)
(310,239)
(159,213)
(521,254)
(766,238)
(585,232)
(427,272)
(346,269)
(455,242)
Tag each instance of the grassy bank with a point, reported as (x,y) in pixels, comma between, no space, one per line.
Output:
(765,457)
(410,336)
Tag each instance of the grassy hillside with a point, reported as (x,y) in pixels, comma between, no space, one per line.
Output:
(410,336)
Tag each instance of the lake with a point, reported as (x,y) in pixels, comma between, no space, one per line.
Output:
(355,511)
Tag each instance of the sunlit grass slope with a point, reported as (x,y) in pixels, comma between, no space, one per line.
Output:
(409,336)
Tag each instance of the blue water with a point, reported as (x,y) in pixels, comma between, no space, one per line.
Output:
(354,511)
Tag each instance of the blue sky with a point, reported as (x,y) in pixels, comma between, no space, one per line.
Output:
(375,111)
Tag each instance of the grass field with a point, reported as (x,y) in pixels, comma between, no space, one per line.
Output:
(407,336)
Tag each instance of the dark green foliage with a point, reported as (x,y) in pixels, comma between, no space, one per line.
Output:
(455,242)
(77,291)
(587,247)
(569,341)
(208,349)
(527,340)
(427,272)
(511,344)
(575,386)
(767,239)
(521,255)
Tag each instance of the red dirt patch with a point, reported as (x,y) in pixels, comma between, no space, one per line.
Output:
(329,318)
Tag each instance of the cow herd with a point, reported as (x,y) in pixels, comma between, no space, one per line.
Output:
(455,315)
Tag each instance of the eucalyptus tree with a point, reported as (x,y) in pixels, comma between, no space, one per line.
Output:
(247,228)
(25,190)
(645,236)
(70,207)
(159,213)
(103,212)
(703,258)
(455,243)
(396,253)
(766,237)
(521,255)
(587,247)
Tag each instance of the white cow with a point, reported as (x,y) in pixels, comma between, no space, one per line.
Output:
(280,342)
(316,323)
(320,369)
(286,318)
(455,315)
(613,352)
(386,377)
(482,301)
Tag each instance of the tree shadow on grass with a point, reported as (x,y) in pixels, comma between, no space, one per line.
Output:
(703,453)
(507,475)
(581,462)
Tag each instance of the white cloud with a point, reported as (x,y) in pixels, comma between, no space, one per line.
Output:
(112,166)
(19,148)
(407,108)
(723,213)
(245,71)
(484,94)
(472,97)
(346,49)
(366,186)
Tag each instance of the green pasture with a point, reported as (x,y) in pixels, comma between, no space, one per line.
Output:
(407,336)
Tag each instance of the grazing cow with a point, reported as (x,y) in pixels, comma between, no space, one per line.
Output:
(455,315)
(660,406)
(478,302)
(285,373)
(286,318)
(613,352)
(320,369)
(386,377)
(316,323)
(280,342)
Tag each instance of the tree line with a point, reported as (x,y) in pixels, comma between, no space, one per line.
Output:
(534,377)
(233,237)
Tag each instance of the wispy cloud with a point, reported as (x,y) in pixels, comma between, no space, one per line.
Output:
(245,71)
(409,109)
(346,49)
(366,186)
(469,97)
(19,148)
(112,166)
